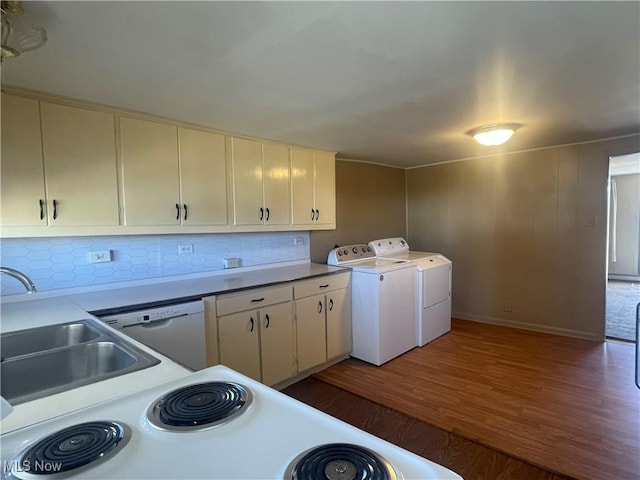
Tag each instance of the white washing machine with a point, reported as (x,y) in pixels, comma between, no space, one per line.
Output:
(433,295)
(383,303)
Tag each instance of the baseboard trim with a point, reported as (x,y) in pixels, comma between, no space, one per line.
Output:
(565,332)
(624,278)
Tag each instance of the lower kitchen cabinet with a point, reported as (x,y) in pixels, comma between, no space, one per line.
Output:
(259,342)
(338,323)
(323,320)
(311,332)
(272,334)
(240,343)
(277,343)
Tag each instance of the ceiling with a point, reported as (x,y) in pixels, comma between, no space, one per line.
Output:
(397,83)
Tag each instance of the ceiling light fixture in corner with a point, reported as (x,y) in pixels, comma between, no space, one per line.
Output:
(18,36)
(494,134)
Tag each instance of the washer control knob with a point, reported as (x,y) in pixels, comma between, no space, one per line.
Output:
(354,250)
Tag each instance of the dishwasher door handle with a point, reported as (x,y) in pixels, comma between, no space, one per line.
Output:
(156,323)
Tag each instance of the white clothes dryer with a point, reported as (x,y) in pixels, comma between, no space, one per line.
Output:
(433,286)
(383,303)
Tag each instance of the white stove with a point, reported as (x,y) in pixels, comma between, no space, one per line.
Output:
(433,284)
(178,430)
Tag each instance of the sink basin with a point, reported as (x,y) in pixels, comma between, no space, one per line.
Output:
(47,360)
(34,340)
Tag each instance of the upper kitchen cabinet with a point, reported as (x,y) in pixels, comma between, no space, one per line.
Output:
(58,165)
(150,181)
(80,166)
(261,187)
(313,188)
(203,177)
(21,170)
(172,176)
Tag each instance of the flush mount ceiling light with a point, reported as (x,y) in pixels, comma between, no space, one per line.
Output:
(18,36)
(494,134)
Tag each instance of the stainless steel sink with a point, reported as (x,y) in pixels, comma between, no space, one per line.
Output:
(34,340)
(47,360)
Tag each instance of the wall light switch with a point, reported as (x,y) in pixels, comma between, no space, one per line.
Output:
(100,256)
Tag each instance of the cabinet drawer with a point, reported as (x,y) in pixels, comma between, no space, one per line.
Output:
(320,285)
(252,299)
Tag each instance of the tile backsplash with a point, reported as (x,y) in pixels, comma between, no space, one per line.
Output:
(64,262)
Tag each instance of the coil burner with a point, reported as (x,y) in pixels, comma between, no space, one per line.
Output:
(339,461)
(199,406)
(73,448)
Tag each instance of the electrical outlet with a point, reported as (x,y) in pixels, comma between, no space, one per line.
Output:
(507,306)
(298,240)
(186,248)
(231,262)
(101,256)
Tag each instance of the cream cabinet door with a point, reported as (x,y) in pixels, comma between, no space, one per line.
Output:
(311,334)
(338,323)
(277,191)
(278,342)
(302,185)
(203,177)
(325,187)
(150,178)
(246,161)
(80,166)
(239,343)
(21,169)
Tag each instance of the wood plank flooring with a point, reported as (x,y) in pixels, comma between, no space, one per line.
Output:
(469,459)
(567,405)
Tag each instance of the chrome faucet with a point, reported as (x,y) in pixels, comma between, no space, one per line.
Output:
(26,281)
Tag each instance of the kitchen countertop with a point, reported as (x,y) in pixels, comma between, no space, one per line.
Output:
(46,308)
(49,311)
(109,298)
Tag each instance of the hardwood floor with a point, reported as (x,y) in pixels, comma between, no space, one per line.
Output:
(568,405)
(469,459)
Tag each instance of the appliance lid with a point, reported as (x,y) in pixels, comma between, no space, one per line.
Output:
(378,265)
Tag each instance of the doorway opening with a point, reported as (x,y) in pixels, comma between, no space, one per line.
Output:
(623,269)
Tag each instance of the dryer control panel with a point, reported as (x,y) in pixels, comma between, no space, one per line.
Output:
(386,246)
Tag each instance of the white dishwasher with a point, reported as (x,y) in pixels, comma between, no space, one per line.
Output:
(176,331)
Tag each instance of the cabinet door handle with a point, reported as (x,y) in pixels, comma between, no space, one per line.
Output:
(320,307)
(317,214)
(184,205)
(324,286)
(267,215)
(261,213)
(251,324)
(41,209)
(267,321)
(177,211)
(330,304)
(55,209)
(313,213)
(256,300)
